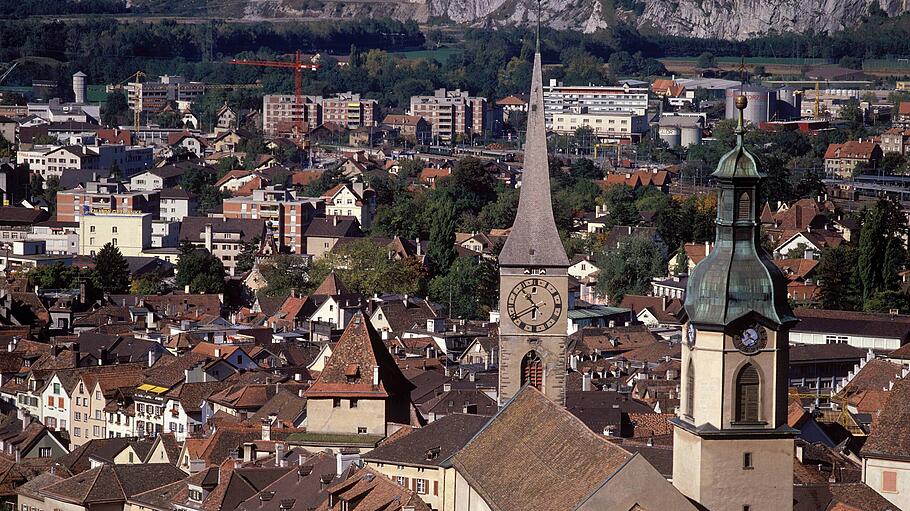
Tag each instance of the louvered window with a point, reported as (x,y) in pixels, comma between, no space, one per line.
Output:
(745,206)
(690,389)
(747,394)
(532,370)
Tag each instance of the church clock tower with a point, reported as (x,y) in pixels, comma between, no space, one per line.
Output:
(533,278)
(733,449)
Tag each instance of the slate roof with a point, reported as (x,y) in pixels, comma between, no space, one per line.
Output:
(349,371)
(112,484)
(193,227)
(534,240)
(335,227)
(302,486)
(839,497)
(536,455)
(890,436)
(373,491)
(869,385)
(890,326)
(431,445)
(455,401)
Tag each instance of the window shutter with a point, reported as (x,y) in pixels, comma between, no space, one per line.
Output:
(747,393)
(414,484)
(435,487)
(889,481)
(690,388)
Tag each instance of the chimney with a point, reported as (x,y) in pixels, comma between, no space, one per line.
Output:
(279,455)
(375,375)
(11,347)
(186,289)
(334,220)
(217,352)
(152,358)
(266,430)
(707,248)
(298,377)
(207,236)
(586,381)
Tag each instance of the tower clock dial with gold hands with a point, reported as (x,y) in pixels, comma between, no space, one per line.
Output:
(534,305)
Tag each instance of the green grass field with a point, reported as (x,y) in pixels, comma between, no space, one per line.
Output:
(755,60)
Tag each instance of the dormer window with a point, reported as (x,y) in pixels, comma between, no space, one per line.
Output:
(195,494)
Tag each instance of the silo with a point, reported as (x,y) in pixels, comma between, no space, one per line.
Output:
(690,135)
(761,103)
(789,104)
(79,87)
(670,135)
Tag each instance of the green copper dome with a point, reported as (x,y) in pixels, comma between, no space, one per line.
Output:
(737,278)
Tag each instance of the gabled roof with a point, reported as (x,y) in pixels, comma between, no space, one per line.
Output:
(431,445)
(108,484)
(890,436)
(373,491)
(350,369)
(536,455)
(331,286)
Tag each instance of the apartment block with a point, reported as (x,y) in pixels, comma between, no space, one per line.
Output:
(350,110)
(223,237)
(103,196)
(287,216)
(605,125)
(155,95)
(595,99)
(52,160)
(280,112)
(130,232)
(451,113)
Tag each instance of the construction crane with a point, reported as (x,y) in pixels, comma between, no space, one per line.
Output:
(8,71)
(298,66)
(137,107)
(817,99)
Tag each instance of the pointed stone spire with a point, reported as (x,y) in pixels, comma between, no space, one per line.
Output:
(534,240)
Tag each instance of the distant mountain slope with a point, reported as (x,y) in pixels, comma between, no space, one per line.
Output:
(730,19)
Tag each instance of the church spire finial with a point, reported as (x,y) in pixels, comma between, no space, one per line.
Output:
(538,26)
(741,104)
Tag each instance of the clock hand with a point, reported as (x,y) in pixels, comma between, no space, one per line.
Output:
(529,309)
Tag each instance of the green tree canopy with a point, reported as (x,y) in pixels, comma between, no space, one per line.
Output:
(470,287)
(366,268)
(629,268)
(200,270)
(112,272)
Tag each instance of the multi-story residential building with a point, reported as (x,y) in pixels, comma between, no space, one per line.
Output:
(157,178)
(287,216)
(616,125)
(55,111)
(842,159)
(131,232)
(451,113)
(102,196)
(350,110)
(896,140)
(559,99)
(154,96)
(56,399)
(61,238)
(176,203)
(351,199)
(280,113)
(223,237)
(49,161)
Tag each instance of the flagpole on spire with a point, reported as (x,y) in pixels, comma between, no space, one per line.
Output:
(538,26)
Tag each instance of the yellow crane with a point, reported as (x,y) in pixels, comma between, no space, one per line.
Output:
(137,108)
(818,94)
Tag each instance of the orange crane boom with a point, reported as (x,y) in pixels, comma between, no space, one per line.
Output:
(298,66)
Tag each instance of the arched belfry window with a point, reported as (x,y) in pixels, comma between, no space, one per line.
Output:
(744,206)
(690,389)
(747,394)
(532,370)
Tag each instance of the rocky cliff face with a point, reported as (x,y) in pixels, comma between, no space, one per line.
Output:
(731,19)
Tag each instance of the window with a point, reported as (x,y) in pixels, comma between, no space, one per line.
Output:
(361,430)
(81,388)
(744,207)
(44,452)
(402,481)
(836,339)
(96,431)
(91,228)
(57,389)
(747,394)
(114,229)
(421,486)
(77,432)
(532,370)
(77,416)
(336,403)
(690,388)
(353,403)
(747,461)
(889,481)
(131,457)
(114,241)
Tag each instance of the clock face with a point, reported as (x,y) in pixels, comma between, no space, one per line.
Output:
(751,340)
(534,305)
